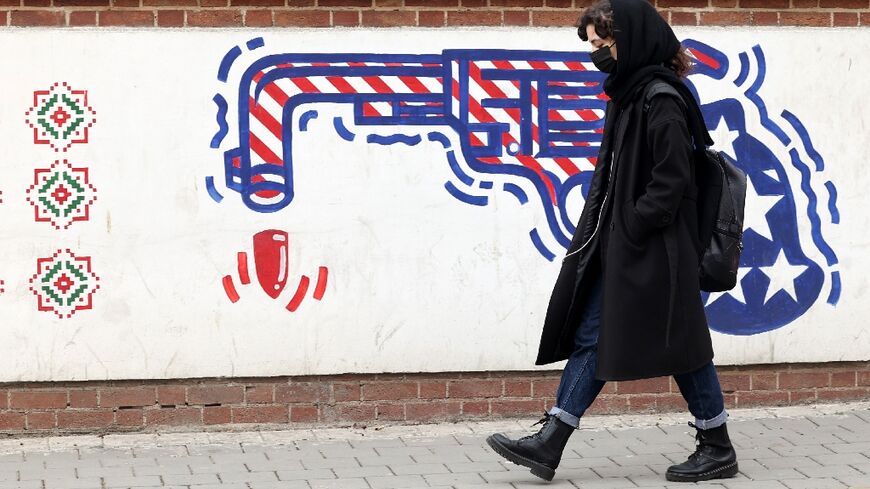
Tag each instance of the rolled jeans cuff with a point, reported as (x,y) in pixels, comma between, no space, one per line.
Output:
(565,417)
(708,424)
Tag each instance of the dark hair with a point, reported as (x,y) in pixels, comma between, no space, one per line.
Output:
(600,16)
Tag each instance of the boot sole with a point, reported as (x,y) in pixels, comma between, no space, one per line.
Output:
(538,469)
(723,472)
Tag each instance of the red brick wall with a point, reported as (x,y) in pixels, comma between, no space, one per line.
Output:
(388,398)
(428,13)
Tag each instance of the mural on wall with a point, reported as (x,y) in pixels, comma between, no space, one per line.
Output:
(529,123)
(2,283)
(64,283)
(61,195)
(787,264)
(272,267)
(60,116)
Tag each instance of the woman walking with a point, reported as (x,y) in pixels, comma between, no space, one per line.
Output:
(627,302)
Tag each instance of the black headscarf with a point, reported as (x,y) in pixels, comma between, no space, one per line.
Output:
(644,44)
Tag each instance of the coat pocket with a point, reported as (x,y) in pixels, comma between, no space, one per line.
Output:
(634,228)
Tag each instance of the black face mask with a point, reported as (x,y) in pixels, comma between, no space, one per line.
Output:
(603,60)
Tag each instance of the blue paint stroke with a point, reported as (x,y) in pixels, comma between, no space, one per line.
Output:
(536,240)
(744,69)
(517,192)
(223,127)
(832,202)
(805,138)
(212,191)
(836,287)
(752,94)
(583,180)
(462,196)
(441,138)
(717,56)
(341,130)
(394,139)
(431,66)
(486,185)
(227,62)
(457,170)
(304,118)
(255,43)
(815,221)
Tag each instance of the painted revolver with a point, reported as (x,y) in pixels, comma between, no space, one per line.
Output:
(532,122)
(532,114)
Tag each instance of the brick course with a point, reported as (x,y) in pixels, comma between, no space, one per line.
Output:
(115,406)
(424,13)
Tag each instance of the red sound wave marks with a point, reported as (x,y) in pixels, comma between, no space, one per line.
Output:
(230,289)
(272,266)
(301,289)
(242,259)
(320,289)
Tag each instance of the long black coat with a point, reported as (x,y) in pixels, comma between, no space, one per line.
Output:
(645,244)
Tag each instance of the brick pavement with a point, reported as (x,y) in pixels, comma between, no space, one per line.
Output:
(814,447)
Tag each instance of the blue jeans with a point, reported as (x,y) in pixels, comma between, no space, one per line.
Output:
(578,387)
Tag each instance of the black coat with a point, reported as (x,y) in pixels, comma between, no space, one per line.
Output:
(646,245)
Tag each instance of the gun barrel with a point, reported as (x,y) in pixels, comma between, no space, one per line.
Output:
(534,108)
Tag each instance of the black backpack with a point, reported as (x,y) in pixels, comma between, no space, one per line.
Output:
(721,197)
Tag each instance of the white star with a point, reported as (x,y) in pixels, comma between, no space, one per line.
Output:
(756,209)
(782,275)
(737,292)
(724,137)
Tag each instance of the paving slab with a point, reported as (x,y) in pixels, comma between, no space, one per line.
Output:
(809,447)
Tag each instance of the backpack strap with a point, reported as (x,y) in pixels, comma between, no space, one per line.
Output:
(658,87)
(694,117)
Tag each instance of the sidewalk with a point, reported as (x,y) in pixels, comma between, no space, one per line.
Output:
(814,447)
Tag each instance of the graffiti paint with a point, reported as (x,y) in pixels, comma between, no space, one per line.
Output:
(532,115)
(271,252)
(60,117)
(537,117)
(783,272)
(432,209)
(61,194)
(64,284)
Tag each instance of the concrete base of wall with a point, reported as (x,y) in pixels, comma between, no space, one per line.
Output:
(115,406)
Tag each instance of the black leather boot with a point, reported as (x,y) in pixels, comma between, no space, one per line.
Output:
(714,458)
(540,452)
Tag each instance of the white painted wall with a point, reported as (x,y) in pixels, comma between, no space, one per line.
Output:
(419,281)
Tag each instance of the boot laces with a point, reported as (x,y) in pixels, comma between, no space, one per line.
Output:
(543,421)
(699,439)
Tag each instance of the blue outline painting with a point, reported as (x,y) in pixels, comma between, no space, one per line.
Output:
(529,124)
